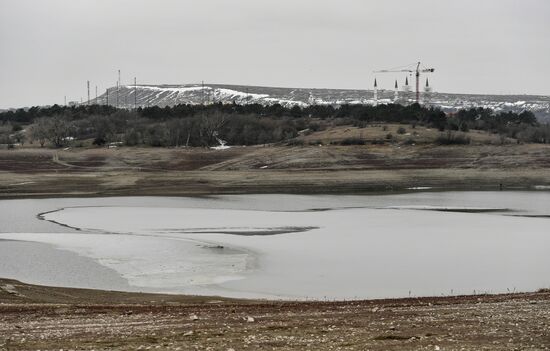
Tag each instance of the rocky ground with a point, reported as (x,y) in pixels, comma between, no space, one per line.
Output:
(36,318)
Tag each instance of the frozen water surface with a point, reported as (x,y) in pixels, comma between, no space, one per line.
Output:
(287,246)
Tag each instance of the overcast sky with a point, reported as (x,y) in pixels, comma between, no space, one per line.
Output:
(49,48)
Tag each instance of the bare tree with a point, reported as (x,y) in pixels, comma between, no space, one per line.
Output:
(209,126)
(56,129)
(39,131)
(59,130)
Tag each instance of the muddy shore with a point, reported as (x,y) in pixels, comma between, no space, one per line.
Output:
(46,318)
(306,170)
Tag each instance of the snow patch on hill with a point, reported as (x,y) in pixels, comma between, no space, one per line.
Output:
(170,95)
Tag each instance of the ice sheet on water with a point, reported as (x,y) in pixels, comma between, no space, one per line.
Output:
(358,252)
(355,251)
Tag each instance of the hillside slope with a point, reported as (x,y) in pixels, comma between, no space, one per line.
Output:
(169,95)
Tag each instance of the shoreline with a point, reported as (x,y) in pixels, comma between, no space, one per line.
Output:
(48,318)
(46,294)
(299,182)
(371,169)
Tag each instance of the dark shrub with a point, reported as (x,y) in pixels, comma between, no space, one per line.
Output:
(352,141)
(295,142)
(451,138)
(99,141)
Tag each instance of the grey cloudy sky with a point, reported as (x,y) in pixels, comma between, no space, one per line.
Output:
(49,48)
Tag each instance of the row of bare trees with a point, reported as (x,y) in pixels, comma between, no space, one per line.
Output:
(199,125)
(57,130)
(204,129)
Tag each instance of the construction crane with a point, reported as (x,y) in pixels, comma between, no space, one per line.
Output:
(417,72)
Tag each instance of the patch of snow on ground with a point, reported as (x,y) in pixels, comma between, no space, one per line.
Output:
(234,93)
(173,89)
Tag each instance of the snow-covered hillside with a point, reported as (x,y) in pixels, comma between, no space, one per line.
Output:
(169,95)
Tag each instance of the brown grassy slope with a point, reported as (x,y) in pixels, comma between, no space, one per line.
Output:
(377,132)
(394,165)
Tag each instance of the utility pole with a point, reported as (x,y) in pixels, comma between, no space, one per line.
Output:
(107,96)
(95,103)
(88,84)
(202,93)
(118,89)
(375,92)
(135,93)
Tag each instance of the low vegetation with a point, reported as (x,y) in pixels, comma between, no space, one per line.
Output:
(199,125)
(452,138)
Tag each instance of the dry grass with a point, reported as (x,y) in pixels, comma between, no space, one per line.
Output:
(379,132)
(289,169)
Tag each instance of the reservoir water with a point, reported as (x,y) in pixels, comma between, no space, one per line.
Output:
(283,246)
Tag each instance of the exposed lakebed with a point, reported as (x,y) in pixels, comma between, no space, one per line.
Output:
(283,246)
